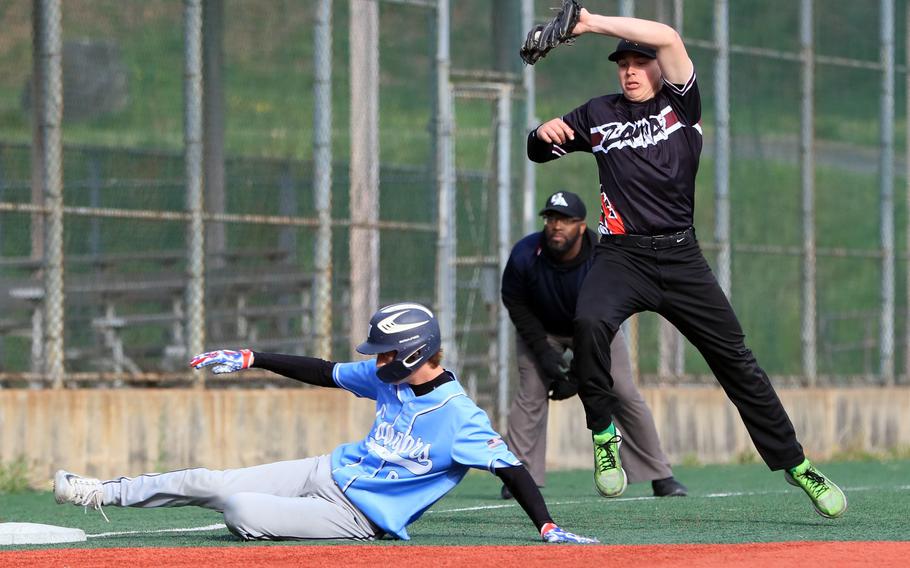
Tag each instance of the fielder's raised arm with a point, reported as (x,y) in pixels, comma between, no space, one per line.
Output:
(672,57)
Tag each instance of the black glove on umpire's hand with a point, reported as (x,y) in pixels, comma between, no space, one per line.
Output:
(561,390)
(551,363)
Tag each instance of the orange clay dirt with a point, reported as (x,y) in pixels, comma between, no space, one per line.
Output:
(767,555)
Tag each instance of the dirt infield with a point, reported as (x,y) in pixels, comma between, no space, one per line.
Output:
(835,554)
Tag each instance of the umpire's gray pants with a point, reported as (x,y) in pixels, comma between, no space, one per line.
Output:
(642,457)
(294,499)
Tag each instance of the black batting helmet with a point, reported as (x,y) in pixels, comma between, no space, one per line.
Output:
(410,330)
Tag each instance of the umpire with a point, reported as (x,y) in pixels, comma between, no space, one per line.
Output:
(540,287)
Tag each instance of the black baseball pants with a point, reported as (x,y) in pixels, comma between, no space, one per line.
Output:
(669,275)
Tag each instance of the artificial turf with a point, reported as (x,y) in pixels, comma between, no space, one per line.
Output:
(726,504)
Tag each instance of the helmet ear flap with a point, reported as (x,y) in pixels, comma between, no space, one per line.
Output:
(393,372)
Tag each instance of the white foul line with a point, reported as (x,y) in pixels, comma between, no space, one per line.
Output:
(214,527)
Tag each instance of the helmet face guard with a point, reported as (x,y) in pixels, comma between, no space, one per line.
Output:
(410,330)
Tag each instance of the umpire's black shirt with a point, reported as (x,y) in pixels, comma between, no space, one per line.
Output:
(540,292)
(647,157)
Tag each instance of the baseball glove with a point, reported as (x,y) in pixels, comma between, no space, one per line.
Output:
(544,37)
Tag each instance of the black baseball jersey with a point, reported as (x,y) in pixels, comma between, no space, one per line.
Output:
(647,157)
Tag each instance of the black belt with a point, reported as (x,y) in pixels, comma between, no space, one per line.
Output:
(653,242)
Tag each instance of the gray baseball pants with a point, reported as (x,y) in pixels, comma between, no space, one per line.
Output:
(640,451)
(288,500)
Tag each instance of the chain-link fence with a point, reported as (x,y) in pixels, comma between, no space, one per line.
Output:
(252,105)
(244,174)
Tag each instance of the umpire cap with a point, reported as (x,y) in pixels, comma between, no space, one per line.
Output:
(565,203)
(625,45)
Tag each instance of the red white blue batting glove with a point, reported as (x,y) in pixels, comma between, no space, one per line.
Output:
(552,533)
(225,360)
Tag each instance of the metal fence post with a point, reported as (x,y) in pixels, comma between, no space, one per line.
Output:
(529,189)
(503,241)
(886,153)
(678,15)
(722,143)
(907,173)
(807,165)
(322,179)
(627,8)
(192,139)
(630,326)
(51,65)
(446,275)
(364,169)
(671,346)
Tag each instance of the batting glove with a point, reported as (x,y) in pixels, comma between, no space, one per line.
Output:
(552,533)
(225,360)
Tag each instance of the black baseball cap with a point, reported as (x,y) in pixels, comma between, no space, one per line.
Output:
(625,45)
(565,203)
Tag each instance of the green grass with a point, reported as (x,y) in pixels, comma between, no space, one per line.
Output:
(727,504)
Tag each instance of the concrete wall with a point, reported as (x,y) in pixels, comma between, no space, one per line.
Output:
(701,423)
(106,433)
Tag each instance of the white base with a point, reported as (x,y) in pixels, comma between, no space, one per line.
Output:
(34,533)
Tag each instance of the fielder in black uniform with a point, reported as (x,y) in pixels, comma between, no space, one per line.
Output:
(540,287)
(647,141)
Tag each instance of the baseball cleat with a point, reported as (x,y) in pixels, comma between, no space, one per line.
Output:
(82,491)
(668,487)
(609,476)
(827,498)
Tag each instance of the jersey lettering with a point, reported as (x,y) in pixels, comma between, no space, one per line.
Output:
(647,131)
(400,449)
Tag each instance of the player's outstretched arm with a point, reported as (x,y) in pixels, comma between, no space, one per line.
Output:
(308,370)
(672,57)
(522,486)
(224,360)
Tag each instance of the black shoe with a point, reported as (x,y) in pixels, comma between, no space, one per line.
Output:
(668,487)
(505,493)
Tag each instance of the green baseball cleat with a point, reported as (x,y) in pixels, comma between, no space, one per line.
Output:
(827,498)
(609,476)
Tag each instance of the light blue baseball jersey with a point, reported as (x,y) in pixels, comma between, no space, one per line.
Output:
(418,449)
